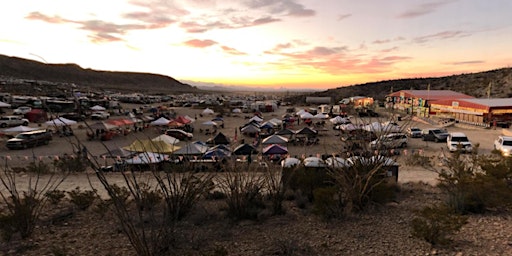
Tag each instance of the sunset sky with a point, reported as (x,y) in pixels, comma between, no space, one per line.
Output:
(265,43)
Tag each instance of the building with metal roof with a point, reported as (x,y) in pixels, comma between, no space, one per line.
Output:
(483,112)
(416,102)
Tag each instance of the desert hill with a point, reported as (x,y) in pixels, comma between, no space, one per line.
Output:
(13,69)
(474,84)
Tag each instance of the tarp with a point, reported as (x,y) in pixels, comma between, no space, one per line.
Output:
(151,146)
(275,139)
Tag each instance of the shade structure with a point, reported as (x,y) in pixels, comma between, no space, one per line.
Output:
(103,126)
(97,108)
(320,116)
(339,120)
(167,139)
(220,138)
(118,153)
(209,123)
(175,124)
(267,125)
(20,128)
(275,149)
(151,146)
(147,158)
(60,121)
(245,149)
(160,122)
(193,148)
(256,118)
(276,121)
(290,162)
(217,153)
(285,132)
(275,139)
(183,120)
(4,105)
(306,115)
(306,131)
(207,111)
(251,129)
(314,162)
(337,162)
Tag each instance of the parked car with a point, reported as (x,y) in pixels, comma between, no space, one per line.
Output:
(100,115)
(179,134)
(458,141)
(391,140)
(6,121)
(74,116)
(414,132)
(29,139)
(22,110)
(436,134)
(504,145)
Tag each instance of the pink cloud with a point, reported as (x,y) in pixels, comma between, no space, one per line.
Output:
(232,51)
(197,43)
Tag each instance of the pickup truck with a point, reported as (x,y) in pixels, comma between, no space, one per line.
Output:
(504,145)
(7,121)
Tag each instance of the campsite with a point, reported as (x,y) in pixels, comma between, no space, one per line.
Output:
(258,140)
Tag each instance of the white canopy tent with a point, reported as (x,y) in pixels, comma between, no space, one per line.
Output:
(160,122)
(60,121)
(167,139)
(290,162)
(20,128)
(97,108)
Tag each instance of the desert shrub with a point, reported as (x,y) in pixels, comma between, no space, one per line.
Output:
(306,179)
(71,164)
(474,184)
(215,195)
(417,159)
(290,247)
(21,217)
(243,189)
(38,167)
(363,183)
(149,198)
(82,199)
(24,205)
(181,191)
(435,224)
(275,190)
(55,196)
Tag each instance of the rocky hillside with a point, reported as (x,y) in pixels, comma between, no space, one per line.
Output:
(475,84)
(13,69)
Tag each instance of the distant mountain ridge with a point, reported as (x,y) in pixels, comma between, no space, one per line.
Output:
(18,68)
(499,81)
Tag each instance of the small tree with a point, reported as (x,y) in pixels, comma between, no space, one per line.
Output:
(435,224)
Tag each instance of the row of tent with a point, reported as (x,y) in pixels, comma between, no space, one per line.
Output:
(337,162)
